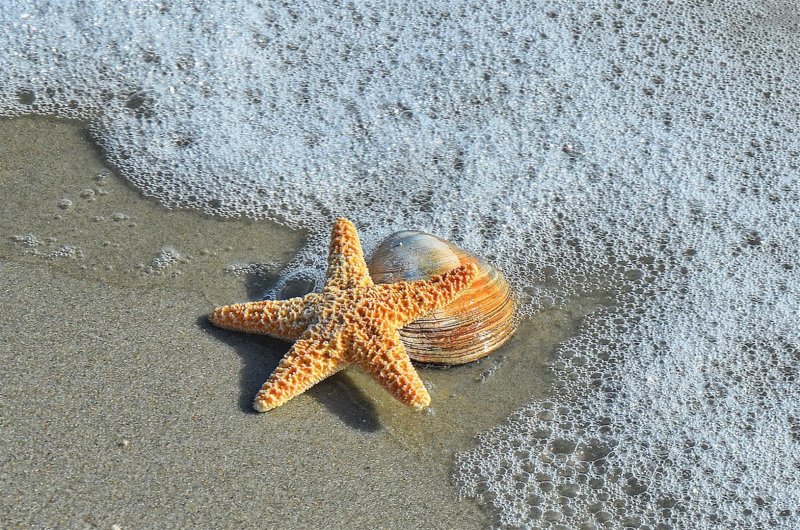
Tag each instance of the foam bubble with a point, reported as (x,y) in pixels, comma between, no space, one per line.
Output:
(641,147)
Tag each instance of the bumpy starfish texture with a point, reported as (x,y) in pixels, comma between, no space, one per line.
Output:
(352,321)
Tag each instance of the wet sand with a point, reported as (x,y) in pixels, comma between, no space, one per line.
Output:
(121,406)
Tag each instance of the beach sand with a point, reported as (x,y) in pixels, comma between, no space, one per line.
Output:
(121,406)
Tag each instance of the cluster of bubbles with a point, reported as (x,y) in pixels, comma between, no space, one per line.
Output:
(645,148)
(673,412)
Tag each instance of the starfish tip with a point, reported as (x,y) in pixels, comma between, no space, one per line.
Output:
(215,316)
(421,401)
(421,406)
(342,222)
(225,316)
(260,405)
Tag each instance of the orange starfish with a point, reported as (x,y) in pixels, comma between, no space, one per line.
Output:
(352,321)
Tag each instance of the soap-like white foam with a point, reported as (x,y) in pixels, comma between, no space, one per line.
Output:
(646,147)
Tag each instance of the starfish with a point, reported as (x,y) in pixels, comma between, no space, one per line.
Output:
(352,321)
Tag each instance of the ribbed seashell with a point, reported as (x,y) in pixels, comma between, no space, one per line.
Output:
(478,322)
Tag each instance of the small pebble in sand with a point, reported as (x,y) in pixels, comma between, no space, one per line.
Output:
(65,204)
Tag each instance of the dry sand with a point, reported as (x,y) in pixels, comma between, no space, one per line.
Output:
(121,406)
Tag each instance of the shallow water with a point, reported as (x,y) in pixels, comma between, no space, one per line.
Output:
(121,403)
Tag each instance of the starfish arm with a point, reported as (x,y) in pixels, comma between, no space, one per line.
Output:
(346,265)
(282,319)
(305,364)
(408,301)
(385,359)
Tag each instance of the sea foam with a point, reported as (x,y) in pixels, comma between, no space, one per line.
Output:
(645,148)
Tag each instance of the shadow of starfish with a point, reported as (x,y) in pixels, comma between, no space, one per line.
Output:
(261,354)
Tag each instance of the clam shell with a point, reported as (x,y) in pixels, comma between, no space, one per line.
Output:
(473,325)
